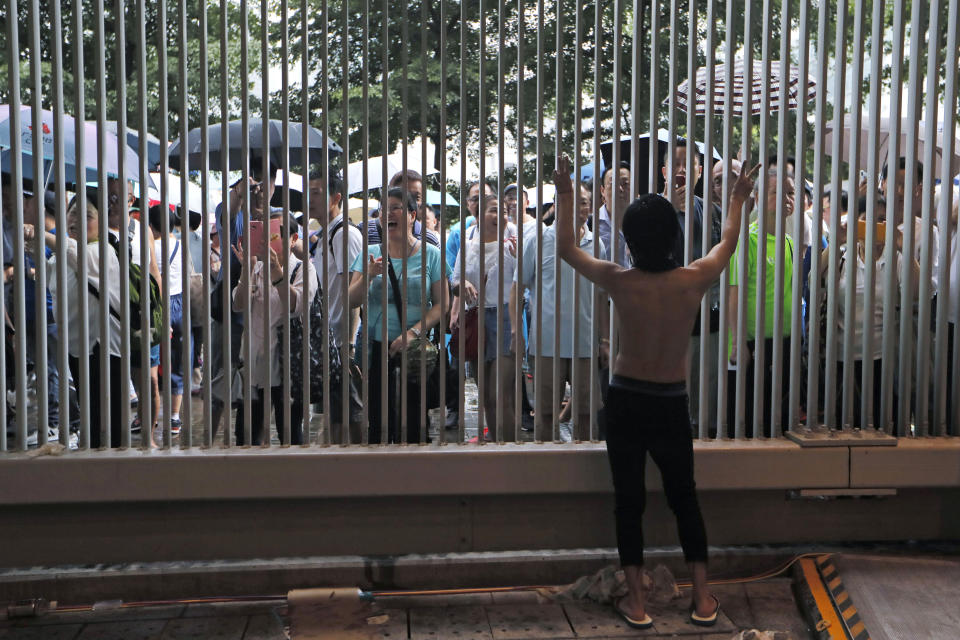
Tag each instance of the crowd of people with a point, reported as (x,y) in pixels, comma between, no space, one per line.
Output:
(500,291)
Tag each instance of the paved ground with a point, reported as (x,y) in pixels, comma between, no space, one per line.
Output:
(764,605)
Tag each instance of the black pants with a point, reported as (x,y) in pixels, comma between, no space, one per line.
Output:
(278,400)
(640,418)
(750,389)
(412,414)
(118,395)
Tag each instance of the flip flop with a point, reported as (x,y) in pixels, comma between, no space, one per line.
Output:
(705,621)
(633,623)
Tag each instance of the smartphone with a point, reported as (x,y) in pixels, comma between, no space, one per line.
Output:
(880,230)
(680,181)
(258,238)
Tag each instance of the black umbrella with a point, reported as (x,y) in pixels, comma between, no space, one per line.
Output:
(643,170)
(232,159)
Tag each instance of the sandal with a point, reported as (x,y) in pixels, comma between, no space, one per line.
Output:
(633,623)
(705,621)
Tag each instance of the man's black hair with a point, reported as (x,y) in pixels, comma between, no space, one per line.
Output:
(334,178)
(652,232)
(902,165)
(773,159)
(410,175)
(682,142)
(256,169)
(403,196)
(606,170)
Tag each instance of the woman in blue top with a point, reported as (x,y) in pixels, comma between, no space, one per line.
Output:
(406,257)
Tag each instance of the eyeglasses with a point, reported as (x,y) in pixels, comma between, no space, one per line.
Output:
(473,199)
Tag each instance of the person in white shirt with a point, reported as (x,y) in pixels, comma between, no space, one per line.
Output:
(172,265)
(575,349)
(481,257)
(88,346)
(266,286)
(332,266)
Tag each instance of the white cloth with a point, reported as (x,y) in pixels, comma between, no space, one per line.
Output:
(338,268)
(69,294)
(934,243)
(262,292)
(474,273)
(173,263)
(581,306)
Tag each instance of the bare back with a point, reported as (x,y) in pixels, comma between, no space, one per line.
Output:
(655,313)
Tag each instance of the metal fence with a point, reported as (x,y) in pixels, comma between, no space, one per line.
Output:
(857,340)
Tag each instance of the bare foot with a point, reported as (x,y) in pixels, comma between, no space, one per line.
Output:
(706,605)
(632,607)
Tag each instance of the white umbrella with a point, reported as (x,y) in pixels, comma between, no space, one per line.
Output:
(883,133)
(797,89)
(375,169)
(194,193)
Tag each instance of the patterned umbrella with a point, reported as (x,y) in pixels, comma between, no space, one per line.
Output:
(795,92)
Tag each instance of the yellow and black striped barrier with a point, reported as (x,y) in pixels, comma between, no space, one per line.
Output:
(826,601)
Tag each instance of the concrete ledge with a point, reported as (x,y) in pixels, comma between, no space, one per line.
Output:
(915,462)
(343,472)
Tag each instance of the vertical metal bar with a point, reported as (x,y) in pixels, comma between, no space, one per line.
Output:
(164,159)
(163,257)
(927,286)
(61,304)
(517,325)
(246,349)
(481,192)
(654,123)
(83,358)
(538,372)
(345,337)
(481,289)
(741,336)
(558,149)
(870,275)
(799,248)
(839,103)
(851,268)
(365,156)
(727,125)
(267,179)
(424,410)
(908,296)
(672,103)
(501,73)
(145,397)
(206,398)
(226,232)
(441,329)
(890,329)
(707,220)
(941,421)
(759,352)
(574,302)
(285,427)
(16,184)
(776,389)
(324,247)
(385,235)
(40,271)
(404,141)
(304,364)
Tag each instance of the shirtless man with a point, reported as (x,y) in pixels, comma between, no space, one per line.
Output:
(647,403)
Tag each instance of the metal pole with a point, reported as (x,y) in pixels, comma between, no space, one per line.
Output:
(727,124)
(285,425)
(163,259)
(268,176)
(941,421)
(206,398)
(226,232)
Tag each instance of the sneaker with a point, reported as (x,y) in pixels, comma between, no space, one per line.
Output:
(527,422)
(175,425)
(453,419)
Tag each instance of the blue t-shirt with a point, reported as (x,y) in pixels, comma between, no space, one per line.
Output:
(454,239)
(434,270)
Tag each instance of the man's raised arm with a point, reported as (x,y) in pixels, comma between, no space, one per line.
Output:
(712,264)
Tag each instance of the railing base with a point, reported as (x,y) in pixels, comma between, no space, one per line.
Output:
(848,438)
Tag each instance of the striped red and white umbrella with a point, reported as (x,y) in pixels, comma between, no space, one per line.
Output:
(797,89)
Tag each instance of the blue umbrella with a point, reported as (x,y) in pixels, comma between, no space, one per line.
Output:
(433,198)
(87,164)
(154,145)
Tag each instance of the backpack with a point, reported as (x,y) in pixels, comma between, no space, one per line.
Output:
(315,345)
(135,276)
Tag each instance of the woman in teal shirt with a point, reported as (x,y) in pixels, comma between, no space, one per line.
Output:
(410,265)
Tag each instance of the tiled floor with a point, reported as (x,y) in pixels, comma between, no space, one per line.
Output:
(767,605)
